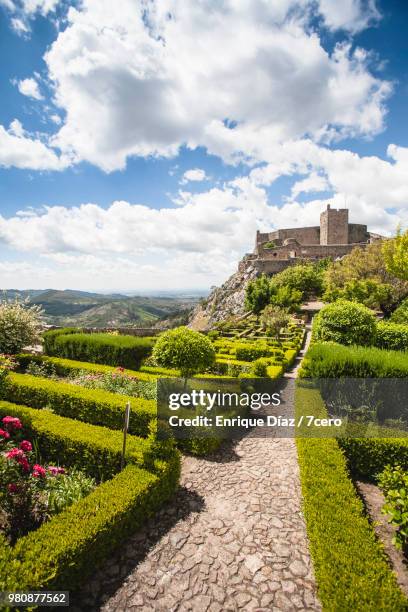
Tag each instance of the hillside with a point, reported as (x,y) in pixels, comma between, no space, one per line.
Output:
(224,301)
(81,308)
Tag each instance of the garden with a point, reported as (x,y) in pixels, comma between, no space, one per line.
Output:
(72,492)
(68,495)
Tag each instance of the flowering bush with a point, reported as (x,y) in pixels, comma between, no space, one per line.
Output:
(20,325)
(116,382)
(30,492)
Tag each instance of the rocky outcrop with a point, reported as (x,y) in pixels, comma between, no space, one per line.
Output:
(226,300)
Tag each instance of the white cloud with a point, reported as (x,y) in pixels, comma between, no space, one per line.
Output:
(199,241)
(19,26)
(22,150)
(313,183)
(352,15)
(30,7)
(195,174)
(29,87)
(141,81)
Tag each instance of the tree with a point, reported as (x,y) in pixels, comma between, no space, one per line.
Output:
(366,264)
(369,292)
(184,349)
(346,323)
(20,325)
(304,277)
(286,297)
(395,252)
(258,294)
(273,318)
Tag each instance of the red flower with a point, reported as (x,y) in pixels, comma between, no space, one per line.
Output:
(15,453)
(12,488)
(26,446)
(12,422)
(4,434)
(24,464)
(120,369)
(39,471)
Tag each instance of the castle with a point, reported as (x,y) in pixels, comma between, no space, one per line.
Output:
(334,238)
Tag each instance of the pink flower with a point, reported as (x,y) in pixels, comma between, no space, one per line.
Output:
(15,453)
(26,446)
(39,471)
(12,488)
(54,471)
(4,434)
(12,422)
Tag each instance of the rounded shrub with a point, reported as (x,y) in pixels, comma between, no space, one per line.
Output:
(346,323)
(184,349)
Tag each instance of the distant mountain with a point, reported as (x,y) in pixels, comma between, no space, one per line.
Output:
(85,309)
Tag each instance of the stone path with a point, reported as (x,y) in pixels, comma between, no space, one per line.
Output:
(233,538)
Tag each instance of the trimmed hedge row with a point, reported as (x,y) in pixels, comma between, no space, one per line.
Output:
(95,449)
(50,337)
(124,351)
(351,569)
(65,367)
(90,405)
(369,456)
(392,336)
(330,360)
(65,550)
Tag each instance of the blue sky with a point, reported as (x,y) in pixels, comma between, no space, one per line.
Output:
(141,150)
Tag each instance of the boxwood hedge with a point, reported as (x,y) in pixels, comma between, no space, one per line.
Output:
(330,360)
(124,351)
(63,552)
(66,367)
(90,405)
(351,569)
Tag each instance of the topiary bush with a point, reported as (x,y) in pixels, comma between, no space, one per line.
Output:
(392,336)
(346,323)
(184,349)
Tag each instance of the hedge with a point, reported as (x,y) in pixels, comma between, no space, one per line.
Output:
(250,352)
(50,337)
(95,449)
(66,367)
(351,569)
(330,360)
(90,405)
(67,549)
(124,351)
(392,336)
(369,456)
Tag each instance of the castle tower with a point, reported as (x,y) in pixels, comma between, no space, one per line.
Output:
(334,228)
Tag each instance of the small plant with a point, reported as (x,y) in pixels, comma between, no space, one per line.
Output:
(273,319)
(394,483)
(184,349)
(44,370)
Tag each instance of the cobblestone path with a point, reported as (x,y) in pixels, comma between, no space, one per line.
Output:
(233,538)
